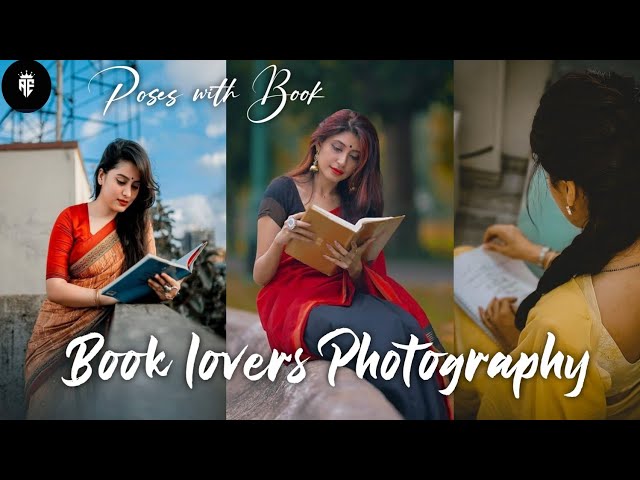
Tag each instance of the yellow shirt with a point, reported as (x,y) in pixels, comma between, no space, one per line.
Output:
(611,387)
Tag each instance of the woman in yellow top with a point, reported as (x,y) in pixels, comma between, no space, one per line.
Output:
(586,137)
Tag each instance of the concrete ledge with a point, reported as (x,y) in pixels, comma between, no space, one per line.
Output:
(141,397)
(311,399)
(167,397)
(17,316)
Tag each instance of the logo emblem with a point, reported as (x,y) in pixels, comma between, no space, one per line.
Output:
(26,86)
(25,83)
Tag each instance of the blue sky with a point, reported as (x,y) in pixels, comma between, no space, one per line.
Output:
(186,141)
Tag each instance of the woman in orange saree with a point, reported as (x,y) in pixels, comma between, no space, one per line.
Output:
(91,244)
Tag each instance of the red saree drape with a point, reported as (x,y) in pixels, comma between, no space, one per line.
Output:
(285,302)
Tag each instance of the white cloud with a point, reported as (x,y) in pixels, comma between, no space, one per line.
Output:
(196,212)
(31,129)
(146,144)
(187,75)
(93,126)
(155,118)
(213,160)
(215,129)
(186,116)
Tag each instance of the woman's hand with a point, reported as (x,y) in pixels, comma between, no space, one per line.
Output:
(500,318)
(106,300)
(510,241)
(348,260)
(165,287)
(300,231)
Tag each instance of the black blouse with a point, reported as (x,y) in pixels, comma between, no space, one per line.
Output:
(280,200)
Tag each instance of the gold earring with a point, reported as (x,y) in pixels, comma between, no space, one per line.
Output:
(314,167)
(569,210)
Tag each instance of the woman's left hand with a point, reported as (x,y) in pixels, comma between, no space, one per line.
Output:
(348,260)
(500,319)
(165,287)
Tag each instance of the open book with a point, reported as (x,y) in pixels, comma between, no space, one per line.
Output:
(329,228)
(132,285)
(479,275)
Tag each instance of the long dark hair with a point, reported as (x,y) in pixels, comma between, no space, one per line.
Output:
(361,193)
(131,224)
(587,129)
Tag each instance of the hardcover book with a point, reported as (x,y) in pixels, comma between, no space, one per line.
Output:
(132,285)
(329,228)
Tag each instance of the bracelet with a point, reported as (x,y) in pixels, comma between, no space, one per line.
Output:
(543,253)
(97,299)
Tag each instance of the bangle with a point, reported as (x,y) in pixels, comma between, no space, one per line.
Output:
(543,253)
(97,299)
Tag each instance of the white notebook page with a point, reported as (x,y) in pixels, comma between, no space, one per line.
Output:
(480,275)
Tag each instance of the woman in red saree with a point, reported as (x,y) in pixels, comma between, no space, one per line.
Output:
(298,305)
(91,244)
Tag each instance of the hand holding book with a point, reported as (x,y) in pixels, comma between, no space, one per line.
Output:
(499,318)
(348,260)
(164,286)
(294,229)
(134,284)
(322,229)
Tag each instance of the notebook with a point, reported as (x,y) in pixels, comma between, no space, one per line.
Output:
(480,275)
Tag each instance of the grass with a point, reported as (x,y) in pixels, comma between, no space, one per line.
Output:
(436,300)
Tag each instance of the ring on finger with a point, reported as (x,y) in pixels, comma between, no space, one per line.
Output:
(291,223)
(167,287)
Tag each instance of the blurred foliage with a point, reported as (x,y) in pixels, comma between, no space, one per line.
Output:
(161,217)
(203,294)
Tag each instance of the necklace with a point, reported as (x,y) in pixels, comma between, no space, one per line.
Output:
(621,268)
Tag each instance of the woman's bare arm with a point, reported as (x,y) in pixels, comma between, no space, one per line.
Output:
(65,293)
(268,252)
(271,242)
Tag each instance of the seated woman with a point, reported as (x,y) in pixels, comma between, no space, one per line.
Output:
(91,244)
(585,135)
(298,304)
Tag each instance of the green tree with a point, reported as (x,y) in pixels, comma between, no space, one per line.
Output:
(203,294)
(162,220)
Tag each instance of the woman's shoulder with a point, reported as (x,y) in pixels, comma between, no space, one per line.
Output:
(282,183)
(282,189)
(73,213)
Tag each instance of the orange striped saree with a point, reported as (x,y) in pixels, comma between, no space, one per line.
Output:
(94,261)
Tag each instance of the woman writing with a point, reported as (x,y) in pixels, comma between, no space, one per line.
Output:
(298,304)
(586,137)
(91,244)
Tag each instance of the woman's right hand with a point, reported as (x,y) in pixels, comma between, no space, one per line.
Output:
(301,232)
(510,241)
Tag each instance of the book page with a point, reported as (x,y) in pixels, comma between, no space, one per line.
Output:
(334,218)
(363,222)
(383,231)
(187,260)
(480,275)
